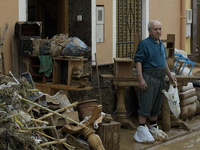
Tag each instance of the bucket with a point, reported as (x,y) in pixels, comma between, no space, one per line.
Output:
(85,107)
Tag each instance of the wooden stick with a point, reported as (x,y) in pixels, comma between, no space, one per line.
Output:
(30,108)
(67,145)
(33,90)
(53,142)
(40,148)
(33,118)
(45,135)
(54,112)
(12,115)
(37,128)
(59,110)
(98,79)
(23,131)
(39,121)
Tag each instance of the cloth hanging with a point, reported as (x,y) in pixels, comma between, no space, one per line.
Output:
(46,65)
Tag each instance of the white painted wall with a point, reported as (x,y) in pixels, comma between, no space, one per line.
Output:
(93,48)
(145,18)
(23,10)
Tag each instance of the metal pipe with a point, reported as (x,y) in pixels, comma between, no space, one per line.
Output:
(183,25)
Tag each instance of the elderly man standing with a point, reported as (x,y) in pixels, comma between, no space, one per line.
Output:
(150,59)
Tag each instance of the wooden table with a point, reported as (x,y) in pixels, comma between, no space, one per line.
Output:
(123,82)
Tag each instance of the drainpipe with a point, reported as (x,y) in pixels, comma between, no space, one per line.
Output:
(183,25)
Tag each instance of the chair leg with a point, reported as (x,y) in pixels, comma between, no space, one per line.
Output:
(183,68)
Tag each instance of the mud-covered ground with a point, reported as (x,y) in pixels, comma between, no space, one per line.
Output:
(178,138)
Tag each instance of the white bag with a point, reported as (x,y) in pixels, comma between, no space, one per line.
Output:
(173,100)
(143,135)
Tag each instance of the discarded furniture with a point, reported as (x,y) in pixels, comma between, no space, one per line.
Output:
(122,73)
(76,143)
(109,134)
(88,132)
(183,61)
(123,82)
(61,76)
(170,46)
(27,29)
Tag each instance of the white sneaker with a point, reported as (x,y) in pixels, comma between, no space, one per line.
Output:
(143,135)
(158,135)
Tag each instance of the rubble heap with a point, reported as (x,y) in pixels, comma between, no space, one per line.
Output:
(32,120)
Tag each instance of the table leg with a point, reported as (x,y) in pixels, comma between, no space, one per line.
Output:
(120,117)
(166,126)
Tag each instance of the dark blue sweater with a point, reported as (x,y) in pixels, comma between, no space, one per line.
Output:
(151,54)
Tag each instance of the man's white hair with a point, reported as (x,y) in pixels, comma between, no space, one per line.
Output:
(150,24)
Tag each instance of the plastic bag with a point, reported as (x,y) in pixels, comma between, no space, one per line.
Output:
(75,47)
(173,100)
(157,134)
(143,135)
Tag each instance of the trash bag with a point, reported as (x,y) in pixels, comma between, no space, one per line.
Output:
(173,100)
(75,47)
(45,47)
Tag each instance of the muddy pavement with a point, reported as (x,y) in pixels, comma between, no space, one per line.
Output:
(179,139)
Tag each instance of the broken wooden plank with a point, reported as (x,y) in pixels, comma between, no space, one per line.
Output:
(67,145)
(54,112)
(39,121)
(53,142)
(76,143)
(59,110)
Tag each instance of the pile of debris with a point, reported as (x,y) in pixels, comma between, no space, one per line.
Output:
(79,78)
(59,45)
(32,120)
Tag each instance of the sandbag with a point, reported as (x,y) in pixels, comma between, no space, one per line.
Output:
(187,94)
(36,46)
(196,83)
(55,49)
(185,72)
(187,87)
(188,111)
(188,100)
(198,93)
(198,107)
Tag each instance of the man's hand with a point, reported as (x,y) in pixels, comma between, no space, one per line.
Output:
(172,79)
(142,84)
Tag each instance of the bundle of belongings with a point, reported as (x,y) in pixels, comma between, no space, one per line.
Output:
(59,45)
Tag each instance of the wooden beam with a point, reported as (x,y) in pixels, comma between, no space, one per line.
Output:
(194,31)
(65,16)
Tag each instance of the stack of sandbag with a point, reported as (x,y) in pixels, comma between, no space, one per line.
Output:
(188,101)
(79,78)
(196,85)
